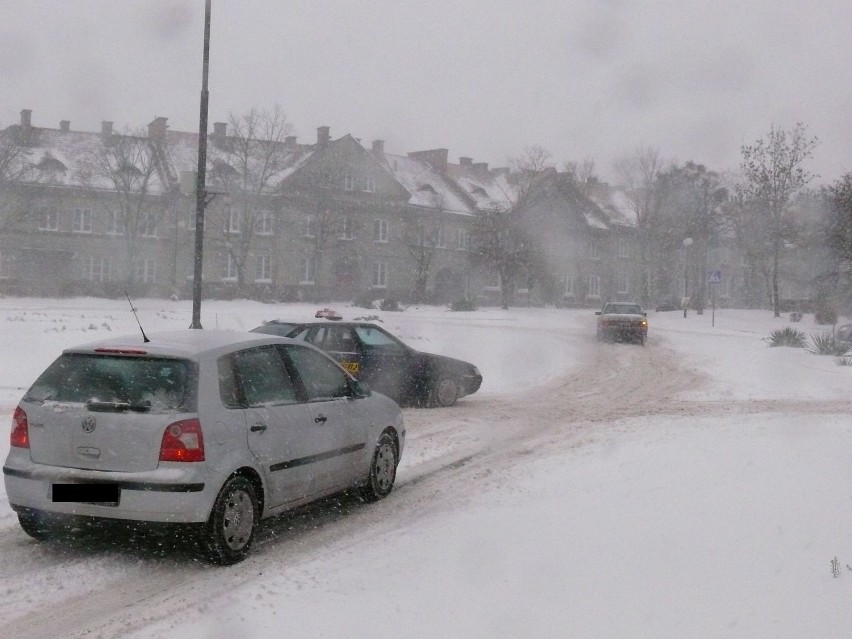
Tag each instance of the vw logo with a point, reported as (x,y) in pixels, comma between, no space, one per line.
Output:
(89,424)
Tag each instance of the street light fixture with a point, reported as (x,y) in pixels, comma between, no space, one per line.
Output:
(687,242)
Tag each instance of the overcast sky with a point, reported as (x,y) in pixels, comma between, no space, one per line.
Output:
(485,79)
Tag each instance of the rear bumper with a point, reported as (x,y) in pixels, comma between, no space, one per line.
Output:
(470,384)
(165,495)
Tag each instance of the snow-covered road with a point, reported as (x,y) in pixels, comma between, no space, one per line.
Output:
(552,395)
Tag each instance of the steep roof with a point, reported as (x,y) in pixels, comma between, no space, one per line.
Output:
(428,188)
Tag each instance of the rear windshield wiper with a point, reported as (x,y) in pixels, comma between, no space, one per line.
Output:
(118,407)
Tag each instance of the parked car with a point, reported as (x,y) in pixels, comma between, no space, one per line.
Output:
(388,365)
(212,429)
(669,303)
(622,320)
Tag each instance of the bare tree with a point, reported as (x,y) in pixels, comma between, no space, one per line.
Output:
(424,229)
(691,207)
(582,175)
(248,164)
(639,175)
(16,173)
(122,171)
(499,234)
(838,230)
(773,173)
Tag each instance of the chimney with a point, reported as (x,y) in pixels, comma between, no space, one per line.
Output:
(378,148)
(26,123)
(323,135)
(290,140)
(220,129)
(466,161)
(65,126)
(157,129)
(436,158)
(106,130)
(481,166)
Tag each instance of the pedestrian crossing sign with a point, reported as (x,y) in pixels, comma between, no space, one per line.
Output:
(714,277)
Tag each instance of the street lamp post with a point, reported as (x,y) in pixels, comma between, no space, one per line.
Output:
(687,242)
(200,184)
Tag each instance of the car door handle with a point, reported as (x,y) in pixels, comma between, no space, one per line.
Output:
(320,419)
(258,428)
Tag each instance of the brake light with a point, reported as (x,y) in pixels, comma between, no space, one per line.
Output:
(121,351)
(183,442)
(20,429)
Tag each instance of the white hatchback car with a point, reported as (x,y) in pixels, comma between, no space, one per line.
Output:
(196,427)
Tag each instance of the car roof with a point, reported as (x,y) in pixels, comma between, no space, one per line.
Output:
(189,343)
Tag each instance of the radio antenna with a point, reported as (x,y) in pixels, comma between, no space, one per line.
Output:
(144,337)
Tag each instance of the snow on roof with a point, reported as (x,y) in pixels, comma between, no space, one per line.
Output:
(616,205)
(182,151)
(487,188)
(77,152)
(427,186)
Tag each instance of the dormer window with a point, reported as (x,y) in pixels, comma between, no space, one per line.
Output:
(130,169)
(478,190)
(426,188)
(50,164)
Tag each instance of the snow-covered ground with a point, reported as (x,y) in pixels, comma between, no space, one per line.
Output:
(697,487)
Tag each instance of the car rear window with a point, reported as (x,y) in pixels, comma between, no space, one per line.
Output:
(157,384)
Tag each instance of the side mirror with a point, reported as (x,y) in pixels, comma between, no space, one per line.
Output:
(360,390)
(597,312)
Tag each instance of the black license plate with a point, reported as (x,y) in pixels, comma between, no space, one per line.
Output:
(103,494)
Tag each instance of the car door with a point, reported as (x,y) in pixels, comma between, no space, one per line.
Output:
(385,362)
(339,421)
(279,425)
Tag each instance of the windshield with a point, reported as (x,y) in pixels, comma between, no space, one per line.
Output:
(623,309)
(155,384)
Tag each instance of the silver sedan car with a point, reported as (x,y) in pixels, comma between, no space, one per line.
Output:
(209,428)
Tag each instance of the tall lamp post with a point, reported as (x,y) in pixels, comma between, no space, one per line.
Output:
(200,183)
(687,242)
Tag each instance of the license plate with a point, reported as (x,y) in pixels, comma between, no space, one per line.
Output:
(352,367)
(101,494)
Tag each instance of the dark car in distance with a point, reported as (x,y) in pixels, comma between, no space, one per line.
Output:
(623,321)
(373,355)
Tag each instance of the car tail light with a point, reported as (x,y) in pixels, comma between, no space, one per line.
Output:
(183,442)
(20,429)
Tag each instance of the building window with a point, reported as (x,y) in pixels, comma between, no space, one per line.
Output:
(622,283)
(263,269)
(380,275)
(115,223)
(233,222)
(370,184)
(82,221)
(96,269)
(5,265)
(146,270)
(306,271)
(623,247)
(148,225)
(348,181)
(493,283)
(346,230)
(594,250)
(265,223)
(462,239)
(49,220)
(569,286)
(230,272)
(311,226)
(594,286)
(380,230)
(439,238)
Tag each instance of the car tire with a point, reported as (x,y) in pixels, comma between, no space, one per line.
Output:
(36,525)
(382,469)
(445,391)
(227,536)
